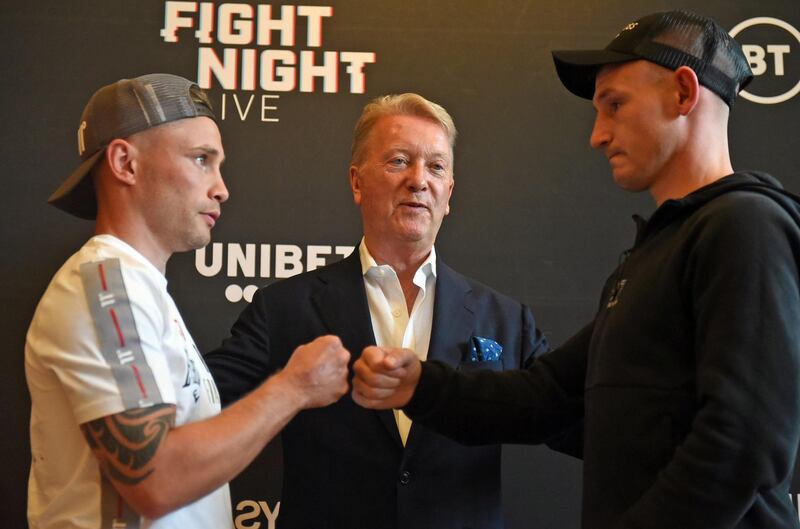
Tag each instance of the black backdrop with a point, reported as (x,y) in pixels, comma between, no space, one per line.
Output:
(534,212)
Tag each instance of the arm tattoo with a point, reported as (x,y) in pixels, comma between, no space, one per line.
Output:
(125,443)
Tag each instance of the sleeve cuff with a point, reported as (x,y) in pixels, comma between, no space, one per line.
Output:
(429,389)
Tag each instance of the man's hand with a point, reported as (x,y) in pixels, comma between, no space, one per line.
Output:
(317,372)
(385,377)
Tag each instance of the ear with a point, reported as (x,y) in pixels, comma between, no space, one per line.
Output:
(355,184)
(121,159)
(688,89)
(450,194)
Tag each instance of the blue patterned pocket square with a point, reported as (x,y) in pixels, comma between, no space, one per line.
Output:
(484,350)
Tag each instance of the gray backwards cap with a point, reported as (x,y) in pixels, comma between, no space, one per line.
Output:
(671,39)
(117,111)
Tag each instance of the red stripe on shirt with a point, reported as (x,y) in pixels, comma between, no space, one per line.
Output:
(116,326)
(102,276)
(139,380)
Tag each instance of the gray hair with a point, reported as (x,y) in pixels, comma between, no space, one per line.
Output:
(408,104)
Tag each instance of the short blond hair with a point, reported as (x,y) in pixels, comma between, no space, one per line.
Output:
(408,104)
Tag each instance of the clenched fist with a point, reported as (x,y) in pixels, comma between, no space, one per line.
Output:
(386,377)
(317,372)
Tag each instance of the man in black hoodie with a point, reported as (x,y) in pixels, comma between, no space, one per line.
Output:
(684,386)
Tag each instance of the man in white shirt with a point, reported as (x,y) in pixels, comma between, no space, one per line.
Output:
(344,466)
(126,429)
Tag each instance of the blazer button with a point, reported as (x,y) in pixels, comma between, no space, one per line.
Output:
(405,477)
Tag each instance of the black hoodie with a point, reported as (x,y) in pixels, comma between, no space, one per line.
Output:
(684,386)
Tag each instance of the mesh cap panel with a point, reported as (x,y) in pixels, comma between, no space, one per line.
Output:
(671,39)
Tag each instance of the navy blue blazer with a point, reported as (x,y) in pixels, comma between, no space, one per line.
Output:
(344,467)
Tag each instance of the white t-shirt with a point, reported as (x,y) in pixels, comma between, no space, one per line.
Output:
(107,337)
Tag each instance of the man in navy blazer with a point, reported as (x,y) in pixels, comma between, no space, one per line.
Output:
(346,467)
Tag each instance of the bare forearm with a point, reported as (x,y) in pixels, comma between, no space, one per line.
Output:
(197,458)
(158,468)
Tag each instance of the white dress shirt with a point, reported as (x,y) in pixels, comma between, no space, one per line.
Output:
(392,324)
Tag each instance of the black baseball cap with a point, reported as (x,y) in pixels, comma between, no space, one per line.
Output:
(119,110)
(670,39)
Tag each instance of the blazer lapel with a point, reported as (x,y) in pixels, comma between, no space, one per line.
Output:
(453,316)
(452,326)
(341,302)
(342,305)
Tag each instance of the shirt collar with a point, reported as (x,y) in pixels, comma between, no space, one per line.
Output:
(133,253)
(425,270)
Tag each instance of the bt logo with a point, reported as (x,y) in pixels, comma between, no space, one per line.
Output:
(771,46)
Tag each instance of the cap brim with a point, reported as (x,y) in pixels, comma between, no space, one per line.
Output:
(578,69)
(76,195)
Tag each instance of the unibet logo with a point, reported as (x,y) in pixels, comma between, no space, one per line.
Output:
(263,261)
(771,48)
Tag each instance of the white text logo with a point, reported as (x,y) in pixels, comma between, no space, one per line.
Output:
(245,48)
(262,261)
(771,52)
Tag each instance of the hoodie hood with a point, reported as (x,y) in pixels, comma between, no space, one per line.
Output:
(752,181)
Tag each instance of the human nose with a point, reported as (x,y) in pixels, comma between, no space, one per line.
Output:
(600,135)
(417,177)
(219,191)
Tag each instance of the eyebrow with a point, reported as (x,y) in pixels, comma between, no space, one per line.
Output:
(598,98)
(404,148)
(611,91)
(207,149)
